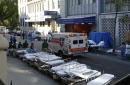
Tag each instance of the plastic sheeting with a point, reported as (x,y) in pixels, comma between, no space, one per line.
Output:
(101,36)
(102,80)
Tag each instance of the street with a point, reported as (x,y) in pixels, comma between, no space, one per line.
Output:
(88,33)
(21,74)
(106,63)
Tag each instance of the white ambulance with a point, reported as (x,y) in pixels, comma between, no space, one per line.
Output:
(68,43)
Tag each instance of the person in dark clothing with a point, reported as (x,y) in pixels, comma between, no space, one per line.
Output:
(14,39)
(10,45)
(1,82)
(123,48)
(23,35)
(32,45)
(45,45)
(20,45)
(31,49)
(11,39)
(25,44)
(14,45)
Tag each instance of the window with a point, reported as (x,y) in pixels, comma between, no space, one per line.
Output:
(58,3)
(30,24)
(29,0)
(42,23)
(75,42)
(80,41)
(79,2)
(49,23)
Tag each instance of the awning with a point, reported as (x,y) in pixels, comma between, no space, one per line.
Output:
(76,20)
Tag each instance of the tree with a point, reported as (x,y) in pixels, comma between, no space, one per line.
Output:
(125,19)
(118,5)
(9,13)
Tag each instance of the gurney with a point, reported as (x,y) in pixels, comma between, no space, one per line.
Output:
(20,52)
(49,64)
(65,75)
(104,79)
(42,60)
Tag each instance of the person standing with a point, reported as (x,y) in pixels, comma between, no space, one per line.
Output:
(11,38)
(25,44)
(123,50)
(45,46)
(127,51)
(20,45)
(23,35)
(14,41)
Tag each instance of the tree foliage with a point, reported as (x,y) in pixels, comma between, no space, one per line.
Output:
(8,13)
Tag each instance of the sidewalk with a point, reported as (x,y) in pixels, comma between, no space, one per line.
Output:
(22,74)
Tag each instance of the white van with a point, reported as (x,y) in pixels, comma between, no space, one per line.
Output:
(68,43)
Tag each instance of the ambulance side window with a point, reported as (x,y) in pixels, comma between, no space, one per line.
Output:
(80,41)
(75,41)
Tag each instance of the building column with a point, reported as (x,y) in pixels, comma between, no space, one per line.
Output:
(117,31)
(97,15)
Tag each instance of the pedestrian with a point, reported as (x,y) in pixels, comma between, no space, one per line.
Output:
(23,35)
(45,46)
(10,45)
(123,49)
(49,36)
(127,51)
(20,45)
(14,39)
(14,45)
(1,82)
(25,44)
(11,38)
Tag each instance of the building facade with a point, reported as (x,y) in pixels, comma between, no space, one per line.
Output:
(39,15)
(104,12)
(22,9)
(73,11)
(107,19)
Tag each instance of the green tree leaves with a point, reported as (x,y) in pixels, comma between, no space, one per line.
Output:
(8,13)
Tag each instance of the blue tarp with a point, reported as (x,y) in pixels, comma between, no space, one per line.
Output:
(76,20)
(101,36)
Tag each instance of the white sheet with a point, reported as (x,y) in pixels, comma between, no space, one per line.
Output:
(55,62)
(47,57)
(60,67)
(102,80)
(21,51)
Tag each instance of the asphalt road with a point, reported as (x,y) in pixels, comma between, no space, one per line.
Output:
(106,63)
(21,74)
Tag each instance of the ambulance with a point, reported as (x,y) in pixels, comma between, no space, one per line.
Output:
(68,43)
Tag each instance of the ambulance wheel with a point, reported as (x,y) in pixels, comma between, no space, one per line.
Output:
(60,53)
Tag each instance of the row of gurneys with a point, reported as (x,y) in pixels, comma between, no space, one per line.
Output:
(68,72)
